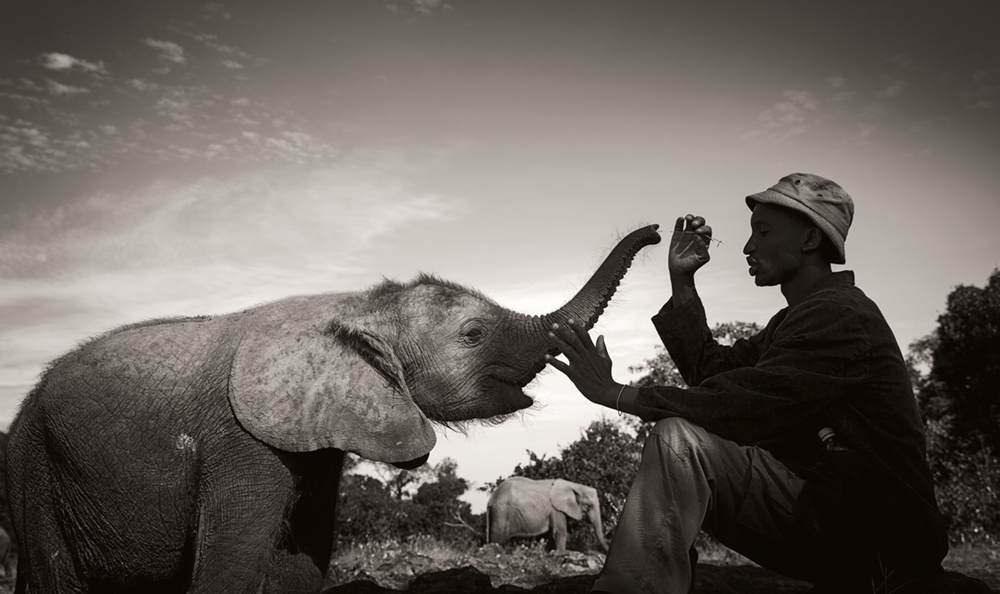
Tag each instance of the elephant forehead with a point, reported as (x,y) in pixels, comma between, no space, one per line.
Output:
(439,303)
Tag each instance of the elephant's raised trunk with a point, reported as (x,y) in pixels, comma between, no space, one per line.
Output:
(589,303)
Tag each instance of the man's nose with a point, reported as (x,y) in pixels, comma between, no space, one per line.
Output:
(749,247)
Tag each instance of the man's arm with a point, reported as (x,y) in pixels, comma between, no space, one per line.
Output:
(688,252)
(810,363)
(589,365)
(684,332)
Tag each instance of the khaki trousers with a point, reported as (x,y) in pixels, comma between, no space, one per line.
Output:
(689,479)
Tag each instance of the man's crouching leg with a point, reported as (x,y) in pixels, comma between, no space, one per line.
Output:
(689,477)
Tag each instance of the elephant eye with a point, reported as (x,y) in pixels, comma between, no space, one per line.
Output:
(473,333)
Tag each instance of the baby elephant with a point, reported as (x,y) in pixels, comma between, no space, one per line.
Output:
(525,507)
(203,454)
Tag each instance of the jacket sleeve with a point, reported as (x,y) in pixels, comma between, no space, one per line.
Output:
(684,332)
(749,394)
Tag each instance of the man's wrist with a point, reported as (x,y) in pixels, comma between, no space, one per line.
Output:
(682,286)
(625,399)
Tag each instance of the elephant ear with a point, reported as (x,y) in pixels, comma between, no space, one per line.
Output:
(305,376)
(563,498)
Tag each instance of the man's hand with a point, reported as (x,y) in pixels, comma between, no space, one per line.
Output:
(589,366)
(688,253)
(689,245)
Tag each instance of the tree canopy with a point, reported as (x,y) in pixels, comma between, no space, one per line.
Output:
(956,377)
(381,501)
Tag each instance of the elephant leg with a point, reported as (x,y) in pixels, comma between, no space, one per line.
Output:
(241,521)
(304,555)
(45,561)
(559,531)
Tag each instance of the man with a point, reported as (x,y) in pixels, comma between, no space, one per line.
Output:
(739,453)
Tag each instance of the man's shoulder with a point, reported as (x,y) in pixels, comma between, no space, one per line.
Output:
(843,298)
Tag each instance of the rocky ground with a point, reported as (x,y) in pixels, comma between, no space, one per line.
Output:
(429,569)
(531,569)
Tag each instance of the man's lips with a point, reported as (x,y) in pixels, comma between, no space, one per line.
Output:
(753,266)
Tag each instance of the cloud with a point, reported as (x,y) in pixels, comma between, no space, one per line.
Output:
(169,51)
(274,218)
(61,90)
(143,85)
(986,89)
(216,10)
(58,61)
(424,7)
(893,88)
(786,118)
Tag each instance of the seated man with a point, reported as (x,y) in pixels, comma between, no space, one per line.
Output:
(739,453)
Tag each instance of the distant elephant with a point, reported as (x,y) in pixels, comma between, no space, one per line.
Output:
(203,454)
(521,506)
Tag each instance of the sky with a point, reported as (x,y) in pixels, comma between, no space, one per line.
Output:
(188,158)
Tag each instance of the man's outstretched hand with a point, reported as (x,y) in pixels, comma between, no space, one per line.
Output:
(589,365)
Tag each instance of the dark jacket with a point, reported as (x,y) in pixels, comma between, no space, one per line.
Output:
(830,361)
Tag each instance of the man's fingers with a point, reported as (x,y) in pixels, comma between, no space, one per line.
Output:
(679,225)
(557,334)
(602,349)
(581,334)
(557,364)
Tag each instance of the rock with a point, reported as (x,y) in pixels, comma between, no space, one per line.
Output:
(949,582)
(710,579)
(744,579)
(461,579)
(362,586)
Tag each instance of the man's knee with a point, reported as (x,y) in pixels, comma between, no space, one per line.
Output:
(679,434)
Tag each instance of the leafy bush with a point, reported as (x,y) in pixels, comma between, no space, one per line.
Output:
(405,504)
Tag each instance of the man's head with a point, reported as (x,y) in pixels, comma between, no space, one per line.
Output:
(802,220)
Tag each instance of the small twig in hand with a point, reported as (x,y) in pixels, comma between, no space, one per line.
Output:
(710,238)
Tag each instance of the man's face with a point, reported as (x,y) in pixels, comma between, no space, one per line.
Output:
(775,246)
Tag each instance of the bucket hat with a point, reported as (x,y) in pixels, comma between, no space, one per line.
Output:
(823,201)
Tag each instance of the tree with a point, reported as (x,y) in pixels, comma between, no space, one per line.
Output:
(963,385)
(956,378)
(436,504)
(377,500)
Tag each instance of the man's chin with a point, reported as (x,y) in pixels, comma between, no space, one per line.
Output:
(762,280)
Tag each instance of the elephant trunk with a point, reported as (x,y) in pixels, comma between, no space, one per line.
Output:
(589,303)
(595,519)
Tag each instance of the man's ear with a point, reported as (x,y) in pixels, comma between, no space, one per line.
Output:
(812,240)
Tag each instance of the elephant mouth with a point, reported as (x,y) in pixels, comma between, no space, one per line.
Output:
(506,392)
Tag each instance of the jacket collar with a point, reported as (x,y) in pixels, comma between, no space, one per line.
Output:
(843,277)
